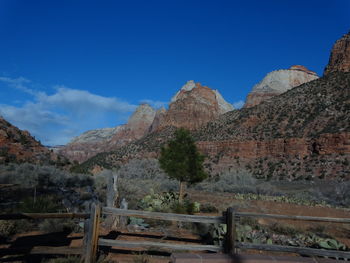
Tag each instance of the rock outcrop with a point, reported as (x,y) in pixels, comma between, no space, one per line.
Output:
(19,146)
(191,107)
(278,82)
(98,135)
(340,56)
(93,142)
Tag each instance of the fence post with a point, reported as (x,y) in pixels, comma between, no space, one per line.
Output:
(92,234)
(231,231)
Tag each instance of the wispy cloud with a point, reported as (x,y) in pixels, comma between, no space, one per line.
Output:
(155,103)
(238,104)
(56,118)
(18,83)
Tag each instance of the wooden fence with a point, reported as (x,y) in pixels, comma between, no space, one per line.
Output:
(229,217)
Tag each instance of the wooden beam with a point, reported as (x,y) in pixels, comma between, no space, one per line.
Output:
(92,235)
(43,250)
(42,215)
(164,216)
(305,218)
(297,250)
(159,245)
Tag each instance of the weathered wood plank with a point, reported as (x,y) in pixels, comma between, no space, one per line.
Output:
(231,231)
(159,245)
(44,250)
(92,235)
(305,218)
(42,215)
(298,250)
(165,216)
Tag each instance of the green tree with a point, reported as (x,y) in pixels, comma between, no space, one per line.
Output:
(181,160)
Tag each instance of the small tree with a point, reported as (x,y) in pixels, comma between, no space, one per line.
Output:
(181,160)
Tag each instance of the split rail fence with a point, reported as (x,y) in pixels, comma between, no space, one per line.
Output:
(229,217)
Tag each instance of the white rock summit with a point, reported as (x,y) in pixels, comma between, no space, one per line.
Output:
(278,82)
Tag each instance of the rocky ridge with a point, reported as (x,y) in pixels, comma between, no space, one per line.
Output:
(19,146)
(278,82)
(340,56)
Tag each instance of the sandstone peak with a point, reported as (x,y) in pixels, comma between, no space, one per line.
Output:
(224,106)
(278,82)
(192,106)
(340,56)
(144,113)
(187,87)
(303,68)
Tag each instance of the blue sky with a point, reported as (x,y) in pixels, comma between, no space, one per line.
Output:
(70,66)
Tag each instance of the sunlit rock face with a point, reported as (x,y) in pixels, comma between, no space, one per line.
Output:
(340,56)
(278,82)
(191,107)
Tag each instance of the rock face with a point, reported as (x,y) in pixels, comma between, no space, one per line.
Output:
(19,146)
(191,107)
(340,56)
(96,135)
(138,126)
(278,82)
(93,142)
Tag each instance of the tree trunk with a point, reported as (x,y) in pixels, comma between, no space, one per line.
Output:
(181,192)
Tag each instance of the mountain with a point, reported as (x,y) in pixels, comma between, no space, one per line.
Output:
(340,56)
(19,146)
(93,142)
(302,133)
(191,107)
(278,82)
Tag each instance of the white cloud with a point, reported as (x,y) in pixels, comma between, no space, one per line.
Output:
(56,118)
(238,104)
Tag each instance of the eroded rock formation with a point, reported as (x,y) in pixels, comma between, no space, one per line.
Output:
(340,56)
(191,107)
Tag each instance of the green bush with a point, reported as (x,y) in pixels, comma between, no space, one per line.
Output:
(208,208)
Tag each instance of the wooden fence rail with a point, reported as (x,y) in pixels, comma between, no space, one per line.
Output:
(290,217)
(230,217)
(164,216)
(298,250)
(42,215)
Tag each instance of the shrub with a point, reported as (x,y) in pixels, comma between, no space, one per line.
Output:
(7,229)
(43,204)
(58,225)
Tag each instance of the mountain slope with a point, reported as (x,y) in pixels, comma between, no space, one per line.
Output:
(301,126)
(19,146)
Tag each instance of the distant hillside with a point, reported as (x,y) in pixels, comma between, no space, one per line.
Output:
(19,146)
(285,137)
